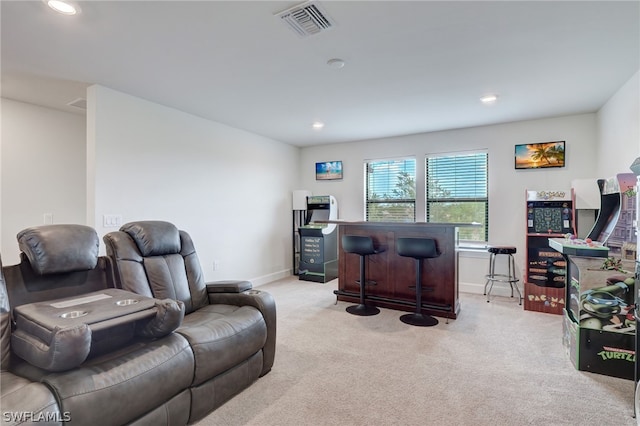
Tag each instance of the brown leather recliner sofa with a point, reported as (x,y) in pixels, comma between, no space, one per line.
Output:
(150,344)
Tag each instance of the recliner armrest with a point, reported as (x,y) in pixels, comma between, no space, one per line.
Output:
(265,303)
(232,286)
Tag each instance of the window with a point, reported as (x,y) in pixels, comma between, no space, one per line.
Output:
(391,191)
(457,192)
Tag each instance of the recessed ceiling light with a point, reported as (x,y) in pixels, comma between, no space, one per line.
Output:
(318,125)
(62,7)
(489,99)
(335,63)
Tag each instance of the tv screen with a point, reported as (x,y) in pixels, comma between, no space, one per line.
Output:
(548,219)
(318,215)
(540,155)
(329,170)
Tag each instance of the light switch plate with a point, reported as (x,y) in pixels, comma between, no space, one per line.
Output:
(112,220)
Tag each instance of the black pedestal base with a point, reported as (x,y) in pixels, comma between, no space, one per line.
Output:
(363,310)
(419,320)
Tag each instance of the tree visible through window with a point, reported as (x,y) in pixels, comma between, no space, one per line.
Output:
(391,191)
(457,192)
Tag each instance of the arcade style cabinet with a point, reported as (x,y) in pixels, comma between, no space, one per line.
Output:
(319,241)
(299,204)
(549,214)
(599,326)
(614,225)
(635,168)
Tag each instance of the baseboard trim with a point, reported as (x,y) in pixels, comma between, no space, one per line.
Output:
(275,276)
(499,289)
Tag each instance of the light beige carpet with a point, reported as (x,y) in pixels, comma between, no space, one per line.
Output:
(495,365)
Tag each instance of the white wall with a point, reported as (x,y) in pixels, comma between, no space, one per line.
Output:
(619,130)
(42,170)
(229,189)
(232,190)
(506,185)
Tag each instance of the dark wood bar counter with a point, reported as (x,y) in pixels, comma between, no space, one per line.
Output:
(395,275)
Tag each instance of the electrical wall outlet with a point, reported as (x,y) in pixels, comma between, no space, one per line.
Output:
(48,218)
(216,265)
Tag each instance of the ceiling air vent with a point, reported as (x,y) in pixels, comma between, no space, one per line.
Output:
(80,103)
(306,19)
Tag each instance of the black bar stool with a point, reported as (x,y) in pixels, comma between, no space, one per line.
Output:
(509,277)
(418,248)
(362,246)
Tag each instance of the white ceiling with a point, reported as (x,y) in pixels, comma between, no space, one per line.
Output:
(411,66)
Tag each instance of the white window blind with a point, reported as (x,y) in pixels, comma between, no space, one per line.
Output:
(457,192)
(391,190)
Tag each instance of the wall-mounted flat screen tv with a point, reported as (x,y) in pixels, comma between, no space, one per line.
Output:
(540,155)
(329,170)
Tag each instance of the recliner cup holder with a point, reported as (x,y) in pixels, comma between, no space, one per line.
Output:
(126,302)
(252,292)
(73,314)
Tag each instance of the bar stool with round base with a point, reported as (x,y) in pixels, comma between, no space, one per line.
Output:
(362,246)
(419,249)
(509,277)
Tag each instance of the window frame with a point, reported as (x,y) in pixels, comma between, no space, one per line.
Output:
(457,199)
(390,200)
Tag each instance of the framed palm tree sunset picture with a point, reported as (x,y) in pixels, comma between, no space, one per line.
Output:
(540,155)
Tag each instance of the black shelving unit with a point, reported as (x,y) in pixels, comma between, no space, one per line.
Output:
(298,221)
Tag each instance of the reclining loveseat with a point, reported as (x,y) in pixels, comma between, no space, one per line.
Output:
(79,349)
(230,326)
